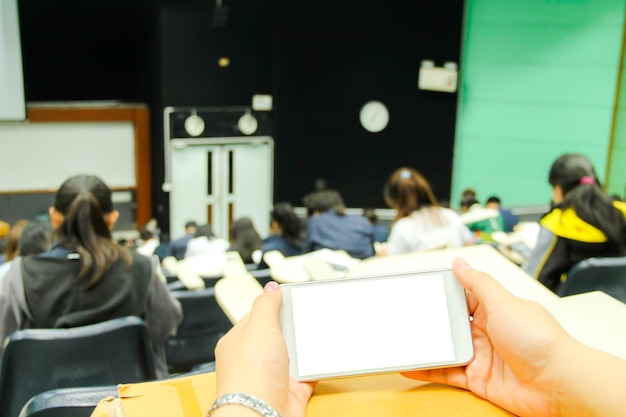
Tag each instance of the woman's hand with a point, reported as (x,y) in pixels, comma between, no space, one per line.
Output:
(252,358)
(519,349)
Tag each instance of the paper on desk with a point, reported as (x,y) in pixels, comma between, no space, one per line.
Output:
(594,318)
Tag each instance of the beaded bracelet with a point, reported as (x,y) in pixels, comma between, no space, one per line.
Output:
(246,400)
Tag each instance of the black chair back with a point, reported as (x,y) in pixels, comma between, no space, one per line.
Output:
(597,274)
(38,360)
(81,401)
(67,402)
(204,323)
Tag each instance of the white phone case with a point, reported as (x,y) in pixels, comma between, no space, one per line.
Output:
(356,326)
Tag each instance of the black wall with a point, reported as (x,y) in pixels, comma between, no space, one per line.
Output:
(320,62)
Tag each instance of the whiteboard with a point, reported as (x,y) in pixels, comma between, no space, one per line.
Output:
(12,105)
(40,156)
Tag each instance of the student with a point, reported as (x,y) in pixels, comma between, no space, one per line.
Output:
(178,247)
(13,240)
(26,238)
(245,239)
(524,361)
(148,242)
(510,219)
(329,227)
(420,223)
(381,233)
(492,218)
(86,278)
(585,222)
(285,231)
(204,242)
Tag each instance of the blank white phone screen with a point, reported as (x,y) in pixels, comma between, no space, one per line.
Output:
(371,324)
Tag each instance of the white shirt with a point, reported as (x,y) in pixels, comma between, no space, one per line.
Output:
(202,245)
(148,247)
(427,228)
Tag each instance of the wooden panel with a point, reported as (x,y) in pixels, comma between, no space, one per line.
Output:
(138,115)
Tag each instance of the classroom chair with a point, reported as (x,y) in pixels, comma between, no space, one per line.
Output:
(67,402)
(196,336)
(38,360)
(607,274)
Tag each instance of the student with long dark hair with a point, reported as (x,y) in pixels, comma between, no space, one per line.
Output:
(585,222)
(285,231)
(245,239)
(86,277)
(420,223)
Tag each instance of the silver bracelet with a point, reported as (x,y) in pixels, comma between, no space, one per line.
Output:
(246,400)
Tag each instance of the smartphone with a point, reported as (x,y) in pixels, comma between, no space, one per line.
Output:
(391,323)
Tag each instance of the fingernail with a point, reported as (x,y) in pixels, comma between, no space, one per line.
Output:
(271,286)
(462,264)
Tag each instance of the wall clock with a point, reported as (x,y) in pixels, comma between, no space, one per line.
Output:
(374,116)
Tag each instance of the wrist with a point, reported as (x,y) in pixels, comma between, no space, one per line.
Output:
(592,383)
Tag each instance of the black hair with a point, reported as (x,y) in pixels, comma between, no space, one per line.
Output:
(370,214)
(36,238)
(145,234)
(468,202)
(245,239)
(84,200)
(290,225)
(494,199)
(323,201)
(582,191)
(204,230)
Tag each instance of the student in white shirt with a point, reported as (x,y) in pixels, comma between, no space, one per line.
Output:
(420,223)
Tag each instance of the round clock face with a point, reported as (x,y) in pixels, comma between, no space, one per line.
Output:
(194,125)
(374,116)
(247,124)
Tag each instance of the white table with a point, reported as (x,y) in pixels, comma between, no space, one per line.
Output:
(482,257)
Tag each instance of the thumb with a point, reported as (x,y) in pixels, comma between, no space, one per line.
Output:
(484,288)
(266,307)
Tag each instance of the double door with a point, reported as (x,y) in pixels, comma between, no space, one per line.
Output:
(218,181)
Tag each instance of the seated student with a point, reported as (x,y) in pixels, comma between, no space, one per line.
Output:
(329,227)
(285,231)
(178,247)
(86,277)
(381,233)
(493,221)
(26,238)
(585,222)
(509,219)
(4,231)
(524,361)
(13,240)
(204,241)
(245,239)
(36,238)
(420,222)
(148,242)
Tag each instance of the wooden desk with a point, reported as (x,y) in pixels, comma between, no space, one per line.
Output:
(394,395)
(482,257)
(383,395)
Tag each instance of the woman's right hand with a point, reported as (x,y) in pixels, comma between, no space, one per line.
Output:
(519,349)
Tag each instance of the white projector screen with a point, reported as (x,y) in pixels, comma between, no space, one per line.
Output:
(12,103)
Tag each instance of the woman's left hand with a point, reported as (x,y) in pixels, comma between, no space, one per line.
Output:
(252,358)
